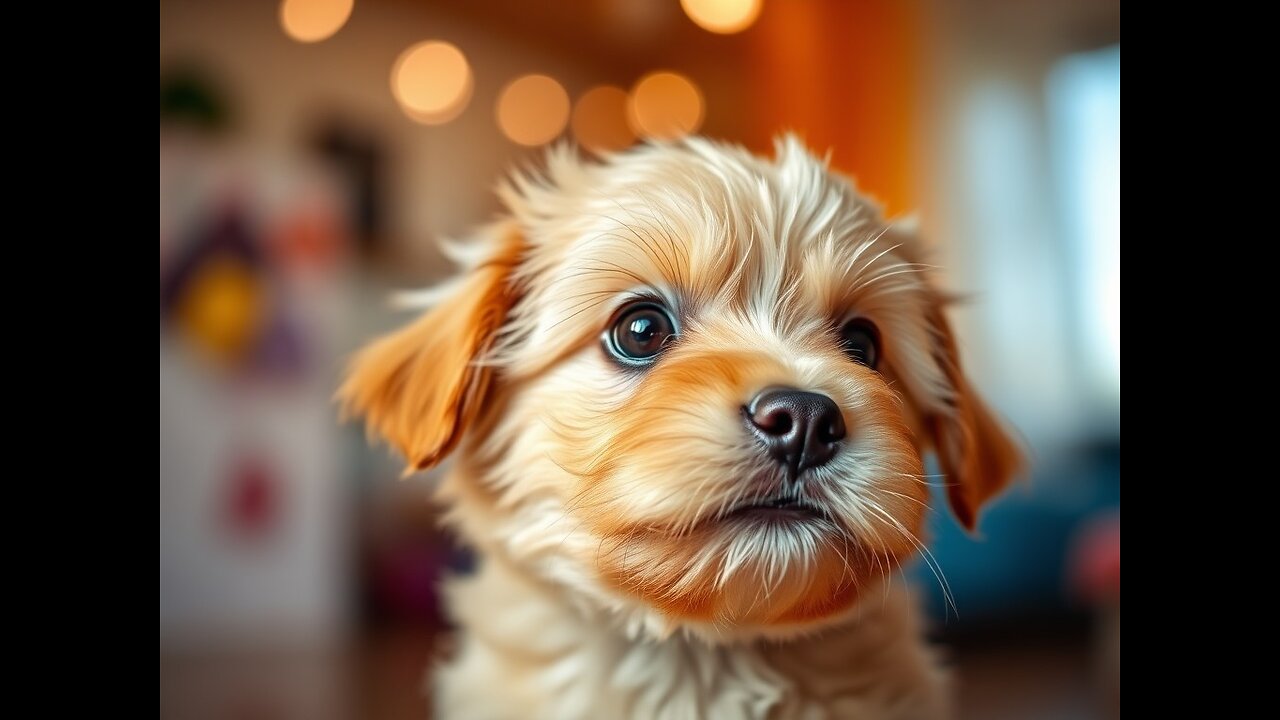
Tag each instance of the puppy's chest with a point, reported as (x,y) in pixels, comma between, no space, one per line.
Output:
(550,662)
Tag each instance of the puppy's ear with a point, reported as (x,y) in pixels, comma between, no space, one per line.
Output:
(419,387)
(976,453)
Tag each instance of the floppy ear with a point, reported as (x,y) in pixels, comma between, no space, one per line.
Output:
(420,386)
(975,451)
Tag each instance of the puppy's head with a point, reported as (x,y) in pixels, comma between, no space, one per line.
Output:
(690,385)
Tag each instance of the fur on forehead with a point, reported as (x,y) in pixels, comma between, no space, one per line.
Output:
(786,245)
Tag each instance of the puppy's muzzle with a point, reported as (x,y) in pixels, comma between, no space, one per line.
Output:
(799,430)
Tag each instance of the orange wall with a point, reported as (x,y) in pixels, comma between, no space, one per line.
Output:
(845,74)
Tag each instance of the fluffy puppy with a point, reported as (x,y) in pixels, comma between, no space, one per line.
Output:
(687,391)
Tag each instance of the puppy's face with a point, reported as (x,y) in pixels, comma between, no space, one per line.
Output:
(691,385)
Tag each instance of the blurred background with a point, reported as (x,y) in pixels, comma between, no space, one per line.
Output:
(312,152)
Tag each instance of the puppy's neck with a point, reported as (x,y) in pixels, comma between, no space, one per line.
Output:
(566,657)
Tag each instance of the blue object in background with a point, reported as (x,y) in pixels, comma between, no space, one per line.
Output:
(1016,565)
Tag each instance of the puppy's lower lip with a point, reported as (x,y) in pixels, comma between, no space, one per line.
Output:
(779,508)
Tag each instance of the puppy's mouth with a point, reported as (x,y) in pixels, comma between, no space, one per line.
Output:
(780,508)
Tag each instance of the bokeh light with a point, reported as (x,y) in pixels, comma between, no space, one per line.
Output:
(600,119)
(665,105)
(432,82)
(722,16)
(533,110)
(311,21)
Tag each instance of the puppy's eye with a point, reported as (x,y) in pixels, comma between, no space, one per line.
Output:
(861,342)
(639,332)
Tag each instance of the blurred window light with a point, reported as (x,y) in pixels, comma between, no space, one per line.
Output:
(600,119)
(1084,132)
(665,105)
(533,110)
(311,21)
(432,82)
(722,16)
(1010,250)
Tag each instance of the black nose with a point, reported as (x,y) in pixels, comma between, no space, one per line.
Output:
(799,429)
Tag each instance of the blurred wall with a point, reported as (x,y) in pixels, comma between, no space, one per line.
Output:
(439,176)
(233,444)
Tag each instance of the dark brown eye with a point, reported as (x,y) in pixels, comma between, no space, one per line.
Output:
(861,342)
(639,332)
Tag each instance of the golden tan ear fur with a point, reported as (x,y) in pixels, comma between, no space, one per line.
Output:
(975,451)
(419,387)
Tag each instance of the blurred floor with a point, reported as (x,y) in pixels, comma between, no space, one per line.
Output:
(1028,673)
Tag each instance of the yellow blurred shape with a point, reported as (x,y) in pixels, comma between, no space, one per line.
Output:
(533,110)
(600,119)
(311,21)
(222,307)
(432,82)
(665,105)
(722,16)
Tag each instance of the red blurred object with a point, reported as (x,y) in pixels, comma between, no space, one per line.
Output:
(253,502)
(311,237)
(1095,559)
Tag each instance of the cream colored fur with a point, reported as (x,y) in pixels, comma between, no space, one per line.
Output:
(529,653)
(615,578)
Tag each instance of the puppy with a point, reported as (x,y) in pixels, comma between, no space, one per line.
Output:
(687,391)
